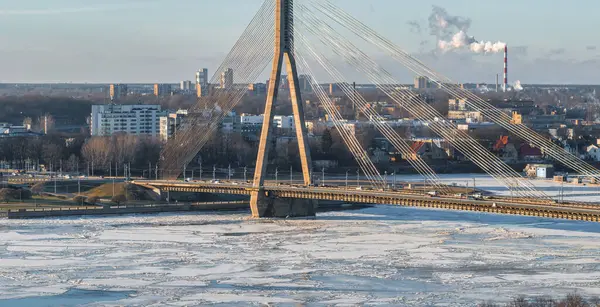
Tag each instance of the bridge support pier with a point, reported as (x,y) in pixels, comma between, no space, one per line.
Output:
(264,205)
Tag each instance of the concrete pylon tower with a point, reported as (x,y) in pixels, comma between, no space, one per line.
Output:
(262,205)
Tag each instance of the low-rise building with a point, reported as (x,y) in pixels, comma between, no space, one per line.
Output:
(530,153)
(593,153)
(251,123)
(457,104)
(543,171)
(284,122)
(8,130)
(505,150)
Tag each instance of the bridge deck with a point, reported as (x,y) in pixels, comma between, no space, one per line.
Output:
(526,207)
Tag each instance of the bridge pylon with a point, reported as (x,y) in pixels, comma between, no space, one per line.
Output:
(284,54)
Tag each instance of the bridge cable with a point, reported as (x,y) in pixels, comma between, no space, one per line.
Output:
(383,127)
(474,101)
(471,148)
(248,58)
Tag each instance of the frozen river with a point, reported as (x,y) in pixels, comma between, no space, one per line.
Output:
(386,256)
(573,192)
(377,256)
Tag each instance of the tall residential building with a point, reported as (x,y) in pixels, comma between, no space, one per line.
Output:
(227,79)
(202,91)
(257,88)
(118,91)
(334,88)
(162,89)
(170,124)
(202,82)
(202,77)
(186,86)
(421,82)
(132,119)
(305,83)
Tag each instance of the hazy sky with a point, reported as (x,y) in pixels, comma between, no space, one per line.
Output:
(167,40)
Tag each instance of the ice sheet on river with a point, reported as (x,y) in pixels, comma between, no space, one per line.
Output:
(379,256)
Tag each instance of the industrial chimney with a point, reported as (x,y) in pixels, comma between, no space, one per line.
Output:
(497,82)
(505,68)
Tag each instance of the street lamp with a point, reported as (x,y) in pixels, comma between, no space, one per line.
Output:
(276,173)
(200,169)
(358,178)
(385,181)
(214,172)
(347,179)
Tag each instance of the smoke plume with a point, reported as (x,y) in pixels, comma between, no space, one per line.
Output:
(517,86)
(452,34)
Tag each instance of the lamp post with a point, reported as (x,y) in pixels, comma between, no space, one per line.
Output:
(347,179)
(385,181)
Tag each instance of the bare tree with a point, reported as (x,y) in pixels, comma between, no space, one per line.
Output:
(97,150)
(73,163)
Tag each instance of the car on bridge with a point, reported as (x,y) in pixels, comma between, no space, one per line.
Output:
(433,193)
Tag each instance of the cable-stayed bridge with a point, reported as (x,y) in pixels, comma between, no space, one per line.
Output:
(306,35)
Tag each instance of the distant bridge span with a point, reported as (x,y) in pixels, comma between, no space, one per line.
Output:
(408,198)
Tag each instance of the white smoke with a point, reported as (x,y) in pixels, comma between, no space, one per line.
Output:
(461,40)
(458,41)
(517,86)
(445,26)
(487,47)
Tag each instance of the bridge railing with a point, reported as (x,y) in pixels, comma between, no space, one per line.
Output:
(134,206)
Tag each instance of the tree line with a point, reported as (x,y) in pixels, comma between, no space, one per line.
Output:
(98,155)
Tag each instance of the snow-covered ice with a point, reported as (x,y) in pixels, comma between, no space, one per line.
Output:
(384,256)
(574,192)
(377,256)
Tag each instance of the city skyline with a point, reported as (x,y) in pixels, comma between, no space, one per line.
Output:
(71,41)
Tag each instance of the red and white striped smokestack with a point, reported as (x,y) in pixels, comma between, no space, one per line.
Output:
(505,68)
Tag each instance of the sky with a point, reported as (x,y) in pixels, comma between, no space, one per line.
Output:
(141,41)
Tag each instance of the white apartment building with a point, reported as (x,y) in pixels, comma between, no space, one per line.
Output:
(132,119)
(248,119)
(170,123)
(283,122)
